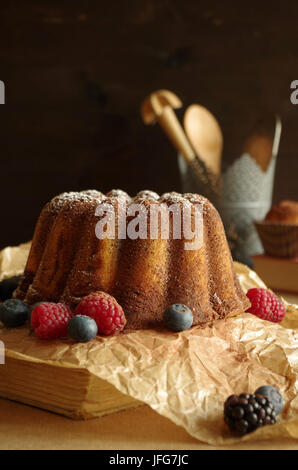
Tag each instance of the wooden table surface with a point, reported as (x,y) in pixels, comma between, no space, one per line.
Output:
(25,427)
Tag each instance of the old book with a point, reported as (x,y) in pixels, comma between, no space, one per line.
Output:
(68,391)
(277,273)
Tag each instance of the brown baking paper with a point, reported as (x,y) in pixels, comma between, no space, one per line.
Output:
(184,376)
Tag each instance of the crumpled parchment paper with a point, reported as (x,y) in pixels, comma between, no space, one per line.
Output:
(184,376)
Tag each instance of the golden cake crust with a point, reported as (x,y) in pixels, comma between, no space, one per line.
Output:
(67,261)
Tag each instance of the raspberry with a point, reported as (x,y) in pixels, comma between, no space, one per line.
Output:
(49,320)
(105,310)
(265,305)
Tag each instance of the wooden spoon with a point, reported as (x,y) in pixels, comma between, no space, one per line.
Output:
(205,136)
(263,141)
(159,107)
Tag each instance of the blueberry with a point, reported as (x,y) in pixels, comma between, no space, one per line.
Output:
(82,328)
(273,395)
(7,286)
(178,317)
(13,312)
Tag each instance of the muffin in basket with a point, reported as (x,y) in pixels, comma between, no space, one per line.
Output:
(279,231)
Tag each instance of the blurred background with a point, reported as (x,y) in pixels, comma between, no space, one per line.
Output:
(76,73)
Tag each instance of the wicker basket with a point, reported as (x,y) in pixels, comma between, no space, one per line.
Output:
(279,240)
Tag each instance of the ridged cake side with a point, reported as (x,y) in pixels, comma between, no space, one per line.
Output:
(67,261)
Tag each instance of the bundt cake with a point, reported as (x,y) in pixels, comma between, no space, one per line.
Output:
(67,261)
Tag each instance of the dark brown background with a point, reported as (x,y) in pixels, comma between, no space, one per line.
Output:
(76,73)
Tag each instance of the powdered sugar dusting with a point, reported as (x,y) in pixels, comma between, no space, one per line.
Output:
(195,198)
(70,199)
(93,193)
(118,193)
(215,299)
(174,198)
(146,195)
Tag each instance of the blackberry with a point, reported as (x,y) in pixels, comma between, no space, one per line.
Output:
(246,412)
(7,286)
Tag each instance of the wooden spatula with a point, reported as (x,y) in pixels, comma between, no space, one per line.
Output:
(159,107)
(263,141)
(205,135)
